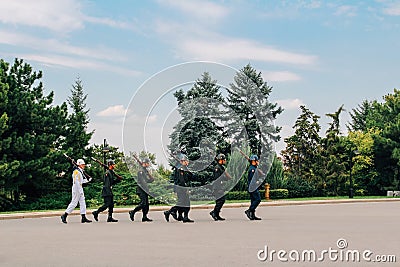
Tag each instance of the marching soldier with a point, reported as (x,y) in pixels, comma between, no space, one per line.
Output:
(78,179)
(220,176)
(143,178)
(107,194)
(255,197)
(182,177)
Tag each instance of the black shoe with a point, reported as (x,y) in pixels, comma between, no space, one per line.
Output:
(220,218)
(145,219)
(187,220)
(111,219)
(84,219)
(95,215)
(249,215)
(213,215)
(166,215)
(255,217)
(64,217)
(132,215)
(173,214)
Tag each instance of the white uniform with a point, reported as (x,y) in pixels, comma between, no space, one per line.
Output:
(78,179)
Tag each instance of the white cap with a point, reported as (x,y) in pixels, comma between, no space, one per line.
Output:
(80,162)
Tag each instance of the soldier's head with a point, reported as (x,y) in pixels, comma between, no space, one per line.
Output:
(254,160)
(146,162)
(221,159)
(81,163)
(184,160)
(110,164)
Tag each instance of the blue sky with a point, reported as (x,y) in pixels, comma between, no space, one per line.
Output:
(321,54)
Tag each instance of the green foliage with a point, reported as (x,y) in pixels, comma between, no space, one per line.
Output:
(248,97)
(32,129)
(299,187)
(278,193)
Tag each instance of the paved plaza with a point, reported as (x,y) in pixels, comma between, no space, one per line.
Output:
(293,229)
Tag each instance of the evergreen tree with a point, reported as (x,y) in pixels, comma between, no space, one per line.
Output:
(359,117)
(251,113)
(304,147)
(32,130)
(335,155)
(78,137)
(197,133)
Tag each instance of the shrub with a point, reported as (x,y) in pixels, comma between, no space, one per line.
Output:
(278,193)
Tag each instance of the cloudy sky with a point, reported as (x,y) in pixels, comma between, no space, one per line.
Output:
(321,54)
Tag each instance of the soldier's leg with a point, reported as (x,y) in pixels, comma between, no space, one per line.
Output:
(146,209)
(102,208)
(186,207)
(82,207)
(110,204)
(218,206)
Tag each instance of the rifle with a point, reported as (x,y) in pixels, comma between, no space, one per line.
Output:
(248,159)
(76,165)
(141,164)
(106,167)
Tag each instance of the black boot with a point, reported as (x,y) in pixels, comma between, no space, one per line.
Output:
(132,215)
(96,215)
(84,219)
(255,217)
(146,219)
(64,217)
(187,220)
(110,218)
(166,215)
(213,215)
(173,214)
(219,217)
(180,216)
(249,214)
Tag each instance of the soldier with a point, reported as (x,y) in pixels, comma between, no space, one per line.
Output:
(255,197)
(107,194)
(143,178)
(78,179)
(182,176)
(220,176)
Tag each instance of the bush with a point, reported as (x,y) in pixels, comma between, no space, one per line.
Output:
(299,187)
(278,193)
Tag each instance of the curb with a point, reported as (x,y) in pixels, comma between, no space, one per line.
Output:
(43,214)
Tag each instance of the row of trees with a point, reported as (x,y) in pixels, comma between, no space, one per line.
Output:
(366,159)
(35,133)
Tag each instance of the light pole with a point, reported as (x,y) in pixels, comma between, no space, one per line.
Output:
(351,190)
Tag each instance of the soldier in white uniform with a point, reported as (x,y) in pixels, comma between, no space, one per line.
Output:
(78,179)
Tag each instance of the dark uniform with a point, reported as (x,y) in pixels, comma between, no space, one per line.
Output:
(109,180)
(218,188)
(143,178)
(181,176)
(255,197)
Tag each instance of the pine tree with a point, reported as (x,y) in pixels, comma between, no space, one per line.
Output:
(359,117)
(251,114)
(32,130)
(197,133)
(78,137)
(335,154)
(302,148)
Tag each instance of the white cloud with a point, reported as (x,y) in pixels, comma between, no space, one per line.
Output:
(280,76)
(393,9)
(113,111)
(240,49)
(201,9)
(54,45)
(290,104)
(345,10)
(76,63)
(60,15)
